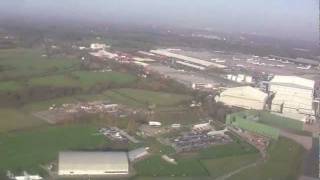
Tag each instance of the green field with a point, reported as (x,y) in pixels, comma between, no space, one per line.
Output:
(8,86)
(12,119)
(284,163)
(233,149)
(114,97)
(222,166)
(145,97)
(156,166)
(177,115)
(28,149)
(21,63)
(87,79)
(214,161)
(53,81)
(82,79)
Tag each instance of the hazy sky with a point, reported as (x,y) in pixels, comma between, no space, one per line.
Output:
(282,18)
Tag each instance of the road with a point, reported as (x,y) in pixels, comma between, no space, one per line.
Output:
(305,141)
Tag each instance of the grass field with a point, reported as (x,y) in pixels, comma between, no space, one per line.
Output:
(17,63)
(181,116)
(82,79)
(52,81)
(115,97)
(28,149)
(284,163)
(151,97)
(7,86)
(214,161)
(156,166)
(221,166)
(88,79)
(233,149)
(12,119)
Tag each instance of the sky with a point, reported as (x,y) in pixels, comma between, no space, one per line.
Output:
(296,19)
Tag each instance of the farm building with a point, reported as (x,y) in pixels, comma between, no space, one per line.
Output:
(93,163)
(293,96)
(245,97)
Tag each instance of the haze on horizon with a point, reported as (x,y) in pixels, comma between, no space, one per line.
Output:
(294,19)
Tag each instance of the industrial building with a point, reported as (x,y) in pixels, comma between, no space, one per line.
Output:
(240,78)
(245,97)
(293,96)
(93,163)
(104,54)
(97,46)
(137,154)
(187,61)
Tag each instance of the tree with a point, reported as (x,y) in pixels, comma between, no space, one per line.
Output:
(132,125)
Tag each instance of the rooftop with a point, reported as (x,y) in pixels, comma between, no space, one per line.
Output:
(93,161)
(293,81)
(247,92)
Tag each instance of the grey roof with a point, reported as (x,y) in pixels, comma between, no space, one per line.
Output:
(137,153)
(93,161)
(293,81)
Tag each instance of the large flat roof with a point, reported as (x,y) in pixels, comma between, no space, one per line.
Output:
(293,81)
(245,92)
(107,162)
(165,52)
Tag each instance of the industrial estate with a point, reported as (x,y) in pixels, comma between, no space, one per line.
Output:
(89,109)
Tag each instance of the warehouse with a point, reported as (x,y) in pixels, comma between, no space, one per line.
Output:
(293,96)
(245,97)
(188,60)
(93,163)
(137,154)
(190,65)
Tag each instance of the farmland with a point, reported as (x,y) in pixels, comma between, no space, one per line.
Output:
(29,149)
(155,166)
(22,63)
(12,119)
(82,79)
(222,166)
(206,163)
(9,86)
(283,164)
(115,96)
(144,97)
(28,75)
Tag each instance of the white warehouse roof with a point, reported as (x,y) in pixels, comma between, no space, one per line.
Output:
(165,52)
(137,154)
(191,65)
(293,81)
(93,163)
(245,97)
